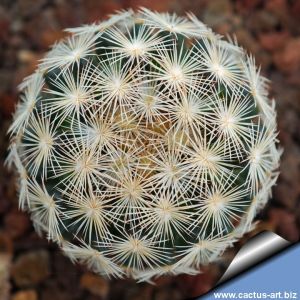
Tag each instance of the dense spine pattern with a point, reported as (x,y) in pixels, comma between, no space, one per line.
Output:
(145,144)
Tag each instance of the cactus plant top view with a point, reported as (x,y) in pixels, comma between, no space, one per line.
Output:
(144,144)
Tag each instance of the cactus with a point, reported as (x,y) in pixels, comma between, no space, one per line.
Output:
(145,144)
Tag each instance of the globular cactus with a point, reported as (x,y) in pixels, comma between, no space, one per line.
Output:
(145,144)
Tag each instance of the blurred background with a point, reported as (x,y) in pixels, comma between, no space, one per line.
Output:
(30,267)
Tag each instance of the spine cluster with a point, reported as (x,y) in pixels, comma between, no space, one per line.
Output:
(144,144)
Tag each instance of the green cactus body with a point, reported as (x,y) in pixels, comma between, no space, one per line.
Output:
(144,144)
